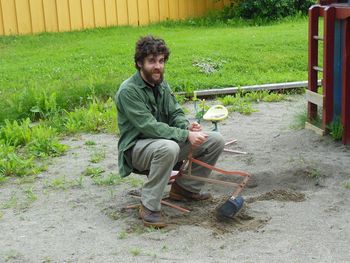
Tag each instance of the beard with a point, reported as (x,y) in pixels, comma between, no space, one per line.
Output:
(154,77)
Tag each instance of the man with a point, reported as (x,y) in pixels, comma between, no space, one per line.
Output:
(155,134)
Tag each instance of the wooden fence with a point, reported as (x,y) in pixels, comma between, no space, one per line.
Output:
(35,16)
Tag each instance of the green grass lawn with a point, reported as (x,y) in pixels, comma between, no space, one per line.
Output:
(73,66)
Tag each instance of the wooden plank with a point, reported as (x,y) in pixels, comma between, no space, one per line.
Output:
(50,15)
(226,2)
(23,17)
(346,84)
(219,4)
(63,16)
(312,57)
(2,32)
(314,98)
(183,9)
(174,9)
(164,10)
(314,13)
(122,12)
(153,7)
(133,12)
(201,6)
(88,14)
(191,8)
(328,65)
(342,11)
(111,13)
(314,128)
(99,11)
(9,17)
(76,16)
(37,15)
(196,8)
(143,12)
(210,5)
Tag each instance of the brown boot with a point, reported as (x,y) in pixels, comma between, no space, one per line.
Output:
(151,218)
(180,194)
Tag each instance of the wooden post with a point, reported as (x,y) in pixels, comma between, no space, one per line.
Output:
(346,83)
(314,13)
(328,65)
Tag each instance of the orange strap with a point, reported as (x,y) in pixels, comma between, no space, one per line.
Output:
(191,159)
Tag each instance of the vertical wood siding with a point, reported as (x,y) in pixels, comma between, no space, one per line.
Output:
(34,16)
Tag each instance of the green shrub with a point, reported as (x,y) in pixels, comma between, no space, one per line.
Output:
(266,10)
(45,142)
(16,133)
(45,107)
(12,164)
(336,129)
(238,103)
(98,117)
(264,95)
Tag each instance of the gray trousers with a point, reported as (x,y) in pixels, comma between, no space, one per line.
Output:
(159,156)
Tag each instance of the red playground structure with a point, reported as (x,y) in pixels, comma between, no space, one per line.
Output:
(335,100)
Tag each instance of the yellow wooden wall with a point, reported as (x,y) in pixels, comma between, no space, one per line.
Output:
(34,16)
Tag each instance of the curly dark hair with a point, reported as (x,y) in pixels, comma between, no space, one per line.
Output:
(149,45)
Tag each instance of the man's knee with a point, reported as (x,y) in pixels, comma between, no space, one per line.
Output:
(167,149)
(217,139)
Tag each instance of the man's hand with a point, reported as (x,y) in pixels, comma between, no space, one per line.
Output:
(197,138)
(195,127)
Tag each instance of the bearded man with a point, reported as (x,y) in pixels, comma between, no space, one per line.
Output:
(155,134)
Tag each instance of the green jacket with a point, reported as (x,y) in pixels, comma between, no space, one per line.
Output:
(140,117)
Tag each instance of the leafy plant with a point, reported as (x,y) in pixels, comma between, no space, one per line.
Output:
(97,117)
(93,171)
(135,251)
(273,97)
(16,133)
(111,179)
(12,164)
(181,99)
(90,143)
(30,195)
(63,183)
(46,106)
(268,9)
(10,203)
(134,182)
(237,103)
(336,129)
(3,179)
(96,157)
(59,183)
(44,142)
(200,108)
(122,235)
(299,120)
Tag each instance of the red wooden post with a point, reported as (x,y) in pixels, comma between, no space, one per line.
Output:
(314,13)
(346,83)
(328,65)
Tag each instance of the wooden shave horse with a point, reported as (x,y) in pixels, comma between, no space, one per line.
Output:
(238,187)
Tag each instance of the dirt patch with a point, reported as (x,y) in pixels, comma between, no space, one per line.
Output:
(64,216)
(282,195)
(201,213)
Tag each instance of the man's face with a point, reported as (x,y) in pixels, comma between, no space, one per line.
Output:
(152,69)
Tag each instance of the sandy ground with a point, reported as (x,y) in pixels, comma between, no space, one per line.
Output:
(298,210)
